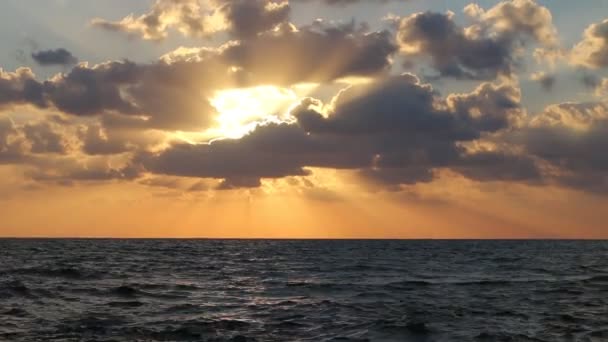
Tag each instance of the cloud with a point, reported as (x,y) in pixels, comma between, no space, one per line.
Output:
(590,81)
(393,130)
(156,95)
(183,15)
(174,93)
(96,141)
(54,57)
(602,88)
(348,2)
(117,119)
(405,106)
(25,143)
(547,81)
(592,51)
(242,19)
(515,20)
(45,137)
(247,18)
(68,170)
(233,160)
(490,107)
(47,151)
(571,139)
(316,53)
(11,147)
(88,91)
(491,47)
(453,54)
(201,18)
(175,183)
(239,182)
(20,87)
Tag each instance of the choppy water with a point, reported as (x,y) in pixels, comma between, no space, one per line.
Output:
(228,290)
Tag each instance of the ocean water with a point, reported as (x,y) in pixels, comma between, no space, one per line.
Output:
(264,290)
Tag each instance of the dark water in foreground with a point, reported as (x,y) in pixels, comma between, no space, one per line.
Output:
(227,290)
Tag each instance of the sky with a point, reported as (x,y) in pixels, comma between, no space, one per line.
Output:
(304,118)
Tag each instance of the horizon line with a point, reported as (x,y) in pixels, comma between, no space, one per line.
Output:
(302,238)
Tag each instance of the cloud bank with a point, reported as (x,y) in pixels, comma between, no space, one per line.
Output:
(126,121)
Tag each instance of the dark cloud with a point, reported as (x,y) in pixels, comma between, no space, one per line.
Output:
(402,106)
(392,130)
(590,81)
(90,91)
(156,95)
(314,53)
(239,182)
(546,81)
(571,138)
(453,53)
(231,159)
(487,49)
(247,18)
(489,107)
(175,183)
(20,87)
(54,57)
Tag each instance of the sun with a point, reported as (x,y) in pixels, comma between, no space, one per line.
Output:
(240,110)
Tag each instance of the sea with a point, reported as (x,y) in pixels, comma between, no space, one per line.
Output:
(302,290)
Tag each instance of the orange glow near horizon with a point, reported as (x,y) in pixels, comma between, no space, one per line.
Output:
(130,210)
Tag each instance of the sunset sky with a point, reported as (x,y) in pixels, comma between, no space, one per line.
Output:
(304,118)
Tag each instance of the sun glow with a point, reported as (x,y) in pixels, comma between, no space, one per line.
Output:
(240,110)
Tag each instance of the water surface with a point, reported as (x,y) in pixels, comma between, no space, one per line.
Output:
(264,290)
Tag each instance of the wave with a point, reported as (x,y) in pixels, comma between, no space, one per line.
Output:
(497,282)
(14,288)
(70,273)
(15,312)
(315,291)
(201,330)
(181,308)
(127,304)
(602,278)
